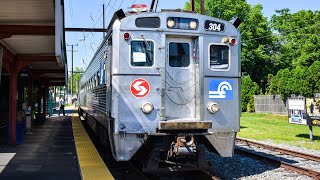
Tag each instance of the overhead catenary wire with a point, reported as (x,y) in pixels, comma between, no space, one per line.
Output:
(86,36)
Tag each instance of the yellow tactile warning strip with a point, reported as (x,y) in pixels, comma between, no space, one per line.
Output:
(91,164)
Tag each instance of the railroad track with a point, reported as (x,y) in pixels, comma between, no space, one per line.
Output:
(279,163)
(119,170)
(129,170)
(186,175)
(280,150)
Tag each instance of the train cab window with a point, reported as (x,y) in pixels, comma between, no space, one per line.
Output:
(142,53)
(219,57)
(179,54)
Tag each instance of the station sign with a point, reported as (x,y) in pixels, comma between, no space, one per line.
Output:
(296,111)
(304,111)
(313,111)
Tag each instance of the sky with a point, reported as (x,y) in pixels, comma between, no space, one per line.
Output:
(88,13)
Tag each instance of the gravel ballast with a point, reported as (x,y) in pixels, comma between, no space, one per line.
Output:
(242,167)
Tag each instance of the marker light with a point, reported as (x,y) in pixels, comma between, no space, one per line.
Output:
(193,25)
(126,36)
(232,41)
(139,8)
(225,40)
(147,107)
(213,107)
(170,23)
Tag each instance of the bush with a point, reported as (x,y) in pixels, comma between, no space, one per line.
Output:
(250,106)
(299,81)
(248,90)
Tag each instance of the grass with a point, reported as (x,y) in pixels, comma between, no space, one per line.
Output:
(276,128)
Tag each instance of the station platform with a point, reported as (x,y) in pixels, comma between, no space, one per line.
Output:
(58,149)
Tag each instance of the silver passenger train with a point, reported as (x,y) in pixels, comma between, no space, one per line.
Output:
(162,86)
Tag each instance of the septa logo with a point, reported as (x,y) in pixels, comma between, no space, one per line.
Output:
(140,88)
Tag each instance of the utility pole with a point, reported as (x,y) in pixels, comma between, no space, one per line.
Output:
(202,6)
(192,5)
(72,66)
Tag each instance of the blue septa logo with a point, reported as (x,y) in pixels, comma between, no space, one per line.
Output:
(221,89)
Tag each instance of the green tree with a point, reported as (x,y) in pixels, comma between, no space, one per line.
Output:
(78,72)
(257,58)
(295,81)
(283,84)
(314,76)
(223,9)
(298,82)
(248,90)
(298,36)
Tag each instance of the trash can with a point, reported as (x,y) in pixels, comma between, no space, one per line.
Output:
(21,126)
(20,129)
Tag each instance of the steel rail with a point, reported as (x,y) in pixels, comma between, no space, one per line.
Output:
(301,170)
(281,150)
(209,176)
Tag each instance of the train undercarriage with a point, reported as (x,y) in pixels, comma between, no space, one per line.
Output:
(171,153)
(163,152)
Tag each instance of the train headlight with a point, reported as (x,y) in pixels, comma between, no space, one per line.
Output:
(170,23)
(213,107)
(147,107)
(193,25)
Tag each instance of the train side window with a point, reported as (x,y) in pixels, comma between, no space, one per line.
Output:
(102,75)
(95,81)
(142,53)
(219,57)
(98,79)
(179,54)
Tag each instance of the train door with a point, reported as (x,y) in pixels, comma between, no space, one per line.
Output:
(180,79)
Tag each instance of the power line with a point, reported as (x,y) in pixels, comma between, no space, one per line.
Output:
(114,3)
(120,4)
(102,15)
(72,45)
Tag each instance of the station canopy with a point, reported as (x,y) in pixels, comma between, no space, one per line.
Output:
(33,31)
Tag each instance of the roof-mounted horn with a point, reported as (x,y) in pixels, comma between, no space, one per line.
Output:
(236,22)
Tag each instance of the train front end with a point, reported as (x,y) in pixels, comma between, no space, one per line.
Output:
(176,87)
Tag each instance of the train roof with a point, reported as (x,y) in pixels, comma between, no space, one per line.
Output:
(231,30)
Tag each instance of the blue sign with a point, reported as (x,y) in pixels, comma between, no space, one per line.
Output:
(221,89)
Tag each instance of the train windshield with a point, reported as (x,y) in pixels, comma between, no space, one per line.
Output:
(142,53)
(219,57)
(179,54)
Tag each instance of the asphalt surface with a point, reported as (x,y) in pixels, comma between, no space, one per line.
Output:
(48,153)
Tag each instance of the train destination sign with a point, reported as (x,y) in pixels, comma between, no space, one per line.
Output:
(213,26)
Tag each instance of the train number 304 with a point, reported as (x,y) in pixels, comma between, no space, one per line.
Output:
(214,27)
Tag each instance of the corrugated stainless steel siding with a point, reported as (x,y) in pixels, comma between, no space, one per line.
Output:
(96,63)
